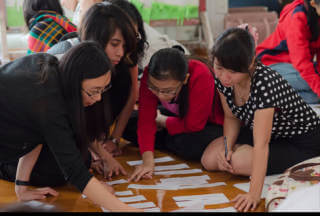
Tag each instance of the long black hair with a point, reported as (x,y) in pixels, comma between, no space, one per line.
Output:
(86,60)
(32,8)
(171,63)
(313,19)
(134,14)
(100,23)
(235,50)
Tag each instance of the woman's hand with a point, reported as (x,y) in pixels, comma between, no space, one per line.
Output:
(246,201)
(25,194)
(224,163)
(112,166)
(161,120)
(112,148)
(142,171)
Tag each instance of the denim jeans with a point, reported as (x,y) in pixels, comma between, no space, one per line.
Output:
(289,73)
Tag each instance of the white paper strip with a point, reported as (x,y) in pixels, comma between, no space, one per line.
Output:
(143,205)
(187,209)
(217,200)
(157,160)
(104,210)
(132,199)
(171,167)
(153,187)
(246,186)
(120,181)
(152,210)
(216,197)
(228,209)
(178,172)
(123,193)
(84,196)
(183,180)
(181,187)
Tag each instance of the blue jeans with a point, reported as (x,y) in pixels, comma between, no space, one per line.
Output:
(289,73)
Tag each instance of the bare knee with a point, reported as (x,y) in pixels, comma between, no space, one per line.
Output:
(241,160)
(209,156)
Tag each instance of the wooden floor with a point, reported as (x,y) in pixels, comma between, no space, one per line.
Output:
(70,200)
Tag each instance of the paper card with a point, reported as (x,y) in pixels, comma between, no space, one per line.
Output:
(246,186)
(182,180)
(157,160)
(215,198)
(84,196)
(171,167)
(228,209)
(195,206)
(178,172)
(120,181)
(123,193)
(132,199)
(153,187)
(143,205)
(181,187)
(37,204)
(104,210)
(152,210)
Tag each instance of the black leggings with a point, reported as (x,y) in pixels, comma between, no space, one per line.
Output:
(286,152)
(189,146)
(46,171)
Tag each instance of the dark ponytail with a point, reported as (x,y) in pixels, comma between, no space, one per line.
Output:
(313,19)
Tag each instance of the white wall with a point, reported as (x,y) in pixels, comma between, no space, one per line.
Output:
(216,11)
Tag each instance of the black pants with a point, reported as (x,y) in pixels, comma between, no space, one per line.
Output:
(189,146)
(46,171)
(286,152)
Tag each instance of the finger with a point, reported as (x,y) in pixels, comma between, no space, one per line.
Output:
(49,190)
(140,175)
(116,172)
(110,173)
(133,175)
(249,203)
(243,204)
(239,202)
(35,197)
(236,198)
(254,206)
(122,170)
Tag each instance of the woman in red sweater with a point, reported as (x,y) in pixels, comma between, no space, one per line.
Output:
(293,49)
(191,114)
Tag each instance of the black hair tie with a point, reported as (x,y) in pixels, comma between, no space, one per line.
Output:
(22,183)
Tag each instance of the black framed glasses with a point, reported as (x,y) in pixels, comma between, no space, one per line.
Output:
(169,92)
(97,92)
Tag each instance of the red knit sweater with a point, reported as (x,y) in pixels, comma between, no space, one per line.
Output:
(201,109)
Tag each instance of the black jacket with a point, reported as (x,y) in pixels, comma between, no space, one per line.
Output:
(34,112)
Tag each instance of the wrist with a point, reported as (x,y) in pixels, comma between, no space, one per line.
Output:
(147,158)
(22,183)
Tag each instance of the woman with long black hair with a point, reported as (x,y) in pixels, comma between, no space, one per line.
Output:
(43,106)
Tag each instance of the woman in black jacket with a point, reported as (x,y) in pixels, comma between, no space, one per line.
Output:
(42,105)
